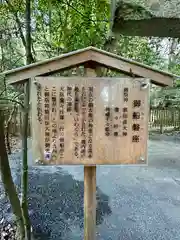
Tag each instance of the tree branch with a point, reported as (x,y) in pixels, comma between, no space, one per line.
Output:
(94,21)
(11,8)
(19,24)
(12,100)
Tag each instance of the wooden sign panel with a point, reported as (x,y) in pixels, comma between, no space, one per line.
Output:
(89,121)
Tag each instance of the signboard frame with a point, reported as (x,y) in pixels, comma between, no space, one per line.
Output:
(38,151)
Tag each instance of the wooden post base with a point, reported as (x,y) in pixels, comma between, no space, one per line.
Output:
(90,203)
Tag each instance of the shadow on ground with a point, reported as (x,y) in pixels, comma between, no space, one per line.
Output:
(145,201)
(56,203)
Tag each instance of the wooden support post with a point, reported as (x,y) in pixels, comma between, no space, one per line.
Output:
(161,118)
(90,188)
(89,202)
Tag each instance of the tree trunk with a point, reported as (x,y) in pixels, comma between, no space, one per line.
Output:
(173,46)
(29,58)
(8,183)
(7,137)
(13,10)
(8,129)
(24,181)
(24,186)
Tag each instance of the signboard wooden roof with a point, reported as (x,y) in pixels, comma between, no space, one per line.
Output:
(93,55)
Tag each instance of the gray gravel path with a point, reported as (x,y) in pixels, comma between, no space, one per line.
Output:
(134,203)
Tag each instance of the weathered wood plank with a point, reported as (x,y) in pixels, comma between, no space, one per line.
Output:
(156,77)
(107,94)
(47,67)
(89,54)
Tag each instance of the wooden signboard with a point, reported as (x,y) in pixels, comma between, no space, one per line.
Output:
(89,121)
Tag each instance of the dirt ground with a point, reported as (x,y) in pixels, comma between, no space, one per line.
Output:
(134,203)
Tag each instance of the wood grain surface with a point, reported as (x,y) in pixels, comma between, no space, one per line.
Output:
(111,130)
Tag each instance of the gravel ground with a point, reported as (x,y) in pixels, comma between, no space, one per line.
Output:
(134,203)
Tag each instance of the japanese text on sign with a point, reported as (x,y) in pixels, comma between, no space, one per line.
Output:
(78,126)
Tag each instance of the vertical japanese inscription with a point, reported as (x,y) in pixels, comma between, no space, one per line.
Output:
(116,122)
(90,121)
(126,92)
(136,124)
(76,120)
(119,127)
(69,99)
(107,121)
(66,114)
(125,112)
(83,123)
(54,122)
(47,121)
(39,103)
(61,122)
(125,118)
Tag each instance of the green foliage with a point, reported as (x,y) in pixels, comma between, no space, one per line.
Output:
(165,97)
(138,49)
(63,26)
(175,68)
